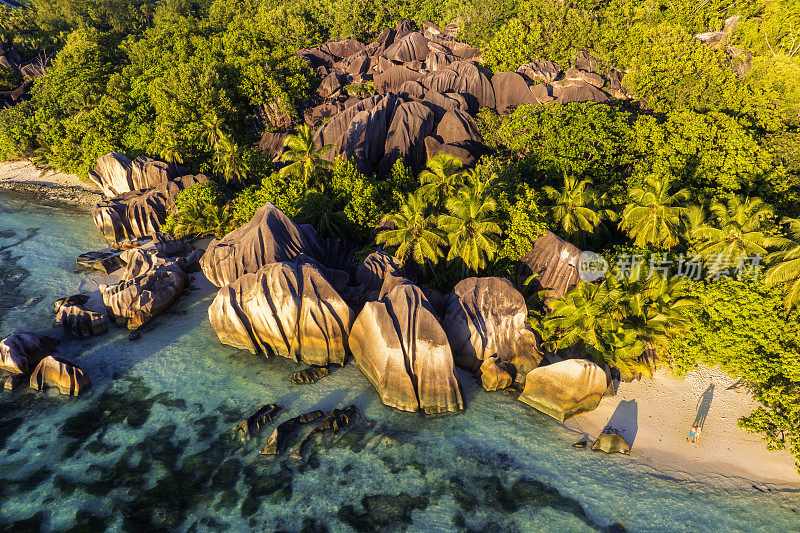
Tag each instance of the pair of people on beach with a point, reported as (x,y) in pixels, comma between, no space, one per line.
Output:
(694,434)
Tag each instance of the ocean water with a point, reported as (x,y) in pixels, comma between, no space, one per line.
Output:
(149,446)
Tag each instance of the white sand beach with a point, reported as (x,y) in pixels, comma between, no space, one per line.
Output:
(23,176)
(655,416)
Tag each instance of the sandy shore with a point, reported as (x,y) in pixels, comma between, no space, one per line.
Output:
(655,416)
(21,177)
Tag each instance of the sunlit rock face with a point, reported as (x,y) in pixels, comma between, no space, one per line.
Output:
(20,352)
(401,348)
(487,317)
(81,322)
(288,309)
(565,389)
(137,300)
(61,374)
(269,237)
(115,173)
(555,263)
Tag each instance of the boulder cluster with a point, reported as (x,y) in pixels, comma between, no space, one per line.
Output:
(30,357)
(411,95)
(11,60)
(141,193)
(280,294)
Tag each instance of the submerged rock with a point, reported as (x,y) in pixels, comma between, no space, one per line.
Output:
(287,309)
(282,432)
(58,372)
(81,322)
(336,420)
(401,348)
(611,443)
(565,389)
(253,425)
(269,237)
(309,375)
(487,317)
(20,352)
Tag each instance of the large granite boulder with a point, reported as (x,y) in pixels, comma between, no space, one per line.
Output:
(269,237)
(288,309)
(496,375)
(565,389)
(140,213)
(412,47)
(375,268)
(61,373)
(411,123)
(136,301)
(555,263)
(487,317)
(115,173)
(511,91)
(401,348)
(20,352)
(365,139)
(540,70)
(394,77)
(579,91)
(81,322)
(611,442)
(465,78)
(457,126)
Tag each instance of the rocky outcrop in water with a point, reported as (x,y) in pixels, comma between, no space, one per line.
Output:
(401,348)
(496,374)
(334,421)
(252,426)
(20,352)
(487,317)
(276,441)
(271,237)
(309,375)
(565,389)
(287,309)
(53,371)
(80,321)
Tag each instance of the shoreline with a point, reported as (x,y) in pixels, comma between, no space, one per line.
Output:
(21,178)
(654,416)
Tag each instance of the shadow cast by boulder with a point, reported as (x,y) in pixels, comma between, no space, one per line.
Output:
(625,421)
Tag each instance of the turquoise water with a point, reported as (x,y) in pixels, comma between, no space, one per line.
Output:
(148,447)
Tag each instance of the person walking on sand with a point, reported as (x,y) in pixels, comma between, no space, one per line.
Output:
(694,434)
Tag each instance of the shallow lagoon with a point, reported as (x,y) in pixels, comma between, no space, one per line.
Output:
(149,447)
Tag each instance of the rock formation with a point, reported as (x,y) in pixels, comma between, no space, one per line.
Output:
(288,309)
(57,372)
(565,389)
(253,424)
(401,348)
(555,263)
(20,352)
(309,375)
(270,237)
(116,174)
(373,271)
(27,71)
(496,375)
(140,212)
(487,317)
(285,429)
(334,421)
(611,443)
(80,321)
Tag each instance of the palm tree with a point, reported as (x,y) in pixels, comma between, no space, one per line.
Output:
(212,133)
(414,234)
(736,232)
(441,179)
(318,209)
(303,156)
(785,269)
(574,208)
(470,228)
(218,219)
(652,216)
(232,165)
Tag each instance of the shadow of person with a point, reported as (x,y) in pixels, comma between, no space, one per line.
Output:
(703,406)
(625,421)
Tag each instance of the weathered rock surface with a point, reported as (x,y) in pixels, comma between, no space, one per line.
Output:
(611,443)
(412,47)
(278,437)
(401,348)
(253,424)
(565,389)
(20,352)
(511,91)
(375,268)
(141,212)
(496,375)
(115,173)
(334,421)
(411,123)
(61,373)
(457,126)
(579,91)
(555,262)
(136,301)
(269,237)
(487,317)
(540,70)
(288,309)
(81,322)
(309,375)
